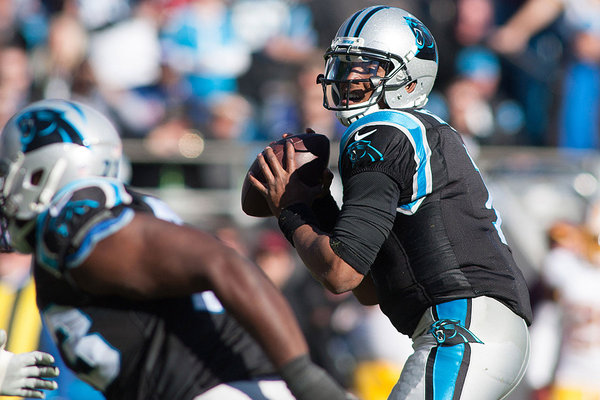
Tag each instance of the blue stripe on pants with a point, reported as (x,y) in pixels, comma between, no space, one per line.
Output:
(447,360)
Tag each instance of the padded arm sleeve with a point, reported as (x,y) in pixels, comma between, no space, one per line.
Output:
(79,218)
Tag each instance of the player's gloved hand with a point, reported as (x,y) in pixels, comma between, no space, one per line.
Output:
(308,381)
(23,374)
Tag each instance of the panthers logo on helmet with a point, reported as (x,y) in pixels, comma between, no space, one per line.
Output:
(362,149)
(42,127)
(424,39)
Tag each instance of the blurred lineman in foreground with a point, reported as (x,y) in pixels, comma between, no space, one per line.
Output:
(140,305)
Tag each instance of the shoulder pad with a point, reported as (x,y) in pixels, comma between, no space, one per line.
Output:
(79,216)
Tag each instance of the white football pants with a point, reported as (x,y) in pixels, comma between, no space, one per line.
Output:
(485,361)
(264,389)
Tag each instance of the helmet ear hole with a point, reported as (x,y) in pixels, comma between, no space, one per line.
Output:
(36,177)
(411,87)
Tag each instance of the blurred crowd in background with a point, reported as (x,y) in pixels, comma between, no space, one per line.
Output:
(511,73)
(246,69)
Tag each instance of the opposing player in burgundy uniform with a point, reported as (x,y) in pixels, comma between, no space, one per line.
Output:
(416,232)
(138,303)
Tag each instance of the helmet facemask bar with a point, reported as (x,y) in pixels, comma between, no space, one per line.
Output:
(341,93)
(24,193)
(5,246)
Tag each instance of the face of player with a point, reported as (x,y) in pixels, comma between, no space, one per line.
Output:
(358,83)
(351,80)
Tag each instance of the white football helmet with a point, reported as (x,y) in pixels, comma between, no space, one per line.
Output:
(45,146)
(393,39)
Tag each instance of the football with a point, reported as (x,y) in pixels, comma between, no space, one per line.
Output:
(312,157)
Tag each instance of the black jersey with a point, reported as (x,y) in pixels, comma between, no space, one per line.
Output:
(161,349)
(417,215)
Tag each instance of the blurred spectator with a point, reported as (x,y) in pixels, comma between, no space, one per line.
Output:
(281,36)
(15,80)
(125,59)
(381,352)
(476,105)
(96,14)
(457,24)
(567,339)
(229,117)
(474,21)
(312,113)
(274,256)
(54,64)
(200,42)
(25,20)
(281,30)
(580,93)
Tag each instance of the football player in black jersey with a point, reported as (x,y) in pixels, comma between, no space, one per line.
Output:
(140,305)
(417,232)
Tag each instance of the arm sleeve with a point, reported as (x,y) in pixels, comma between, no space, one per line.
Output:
(366,218)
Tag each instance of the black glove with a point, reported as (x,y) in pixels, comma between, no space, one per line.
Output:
(308,381)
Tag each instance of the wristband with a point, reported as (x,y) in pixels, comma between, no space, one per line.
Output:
(293,217)
(307,381)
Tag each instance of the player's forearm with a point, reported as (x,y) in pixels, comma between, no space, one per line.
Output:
(154,259)
(197,261)
(327,267)
(259,306)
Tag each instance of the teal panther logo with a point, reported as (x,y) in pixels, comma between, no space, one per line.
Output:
(42,127)
(450,332)
(362,149)
(424,39)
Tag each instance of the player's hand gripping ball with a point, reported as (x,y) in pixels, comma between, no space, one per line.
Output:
(312,157)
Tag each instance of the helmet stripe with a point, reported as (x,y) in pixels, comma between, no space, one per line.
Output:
(362,23)
(77,108)
(350,23)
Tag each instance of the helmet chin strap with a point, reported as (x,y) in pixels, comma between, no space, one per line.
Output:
(347,117)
